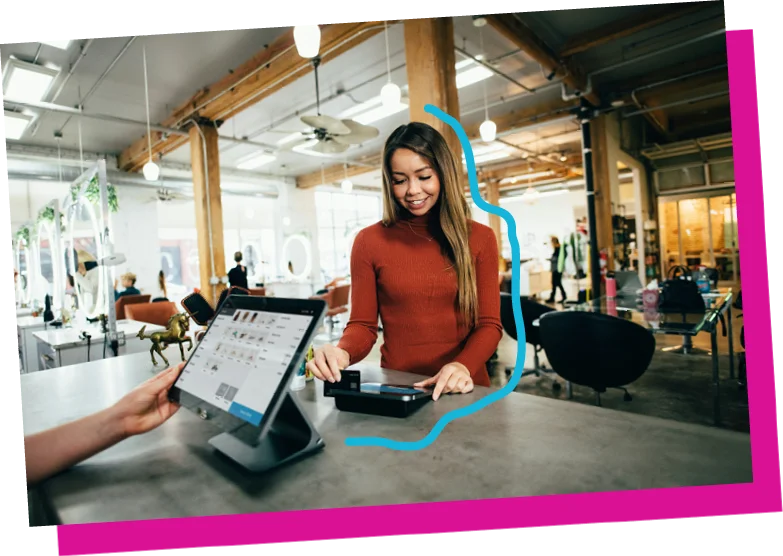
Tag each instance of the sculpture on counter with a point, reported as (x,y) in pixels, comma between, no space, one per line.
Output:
(175,333)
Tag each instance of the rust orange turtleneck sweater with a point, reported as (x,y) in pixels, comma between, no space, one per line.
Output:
(400,274)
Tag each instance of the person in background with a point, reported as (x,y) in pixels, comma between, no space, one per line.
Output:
(237,276)
(557,263)
(88,276)
(143,409)
(427,269)
(162,293)
(129,283)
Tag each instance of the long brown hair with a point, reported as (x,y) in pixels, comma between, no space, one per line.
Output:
(162,283)
(454,211)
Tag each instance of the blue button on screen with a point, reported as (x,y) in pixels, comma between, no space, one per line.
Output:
(245,413)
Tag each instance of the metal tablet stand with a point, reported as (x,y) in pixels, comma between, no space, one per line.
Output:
(290,436)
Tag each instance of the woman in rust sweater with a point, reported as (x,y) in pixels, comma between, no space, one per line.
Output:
(427,269)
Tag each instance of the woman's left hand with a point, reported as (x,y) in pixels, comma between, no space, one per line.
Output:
(454,377)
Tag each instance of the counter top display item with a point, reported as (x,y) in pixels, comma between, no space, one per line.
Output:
(175,333)
(375,398)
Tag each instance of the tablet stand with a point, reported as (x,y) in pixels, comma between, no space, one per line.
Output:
(291,436)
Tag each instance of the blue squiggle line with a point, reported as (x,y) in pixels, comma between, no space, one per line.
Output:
(521,344)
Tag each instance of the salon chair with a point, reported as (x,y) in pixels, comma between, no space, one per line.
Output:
(125,300)
(531,311)
(596,350)
(152,313)
(337,300)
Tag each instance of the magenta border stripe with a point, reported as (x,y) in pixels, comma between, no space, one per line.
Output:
(763,495)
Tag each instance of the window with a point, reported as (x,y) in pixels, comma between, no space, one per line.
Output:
(340,217)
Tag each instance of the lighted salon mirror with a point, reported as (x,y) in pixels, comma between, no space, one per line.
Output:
(44,282)
(22,263)
(297,257)
(84,252)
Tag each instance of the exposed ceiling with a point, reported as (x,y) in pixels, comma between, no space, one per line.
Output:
(616,51)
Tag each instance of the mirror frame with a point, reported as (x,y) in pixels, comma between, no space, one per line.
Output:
(101,303)
(305,241)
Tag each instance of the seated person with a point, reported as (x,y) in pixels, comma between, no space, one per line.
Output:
(141,410)
(129,283)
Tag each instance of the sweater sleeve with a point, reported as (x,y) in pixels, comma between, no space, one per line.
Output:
(361,332)
(485,337)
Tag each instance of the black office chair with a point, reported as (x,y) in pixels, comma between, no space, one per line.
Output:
(531,311)
(742,376)
(596,350)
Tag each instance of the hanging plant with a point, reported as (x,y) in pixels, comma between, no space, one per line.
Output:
(23,234)
(46,214)
(93,193)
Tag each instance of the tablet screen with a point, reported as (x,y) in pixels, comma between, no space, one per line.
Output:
(239,364)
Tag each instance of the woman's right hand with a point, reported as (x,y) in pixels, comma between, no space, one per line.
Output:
(327,362)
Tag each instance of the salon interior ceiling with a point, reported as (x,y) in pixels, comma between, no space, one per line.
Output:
(674,59)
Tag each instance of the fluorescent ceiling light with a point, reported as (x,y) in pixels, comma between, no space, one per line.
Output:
(488,153)
(256,160)
(537,194)
(15,124)
(27,82)
(62,45)
(472,76)
(379,113)
(360,108)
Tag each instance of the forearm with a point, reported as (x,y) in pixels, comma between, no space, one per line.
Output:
(50,452)
(358,340)
(481,344)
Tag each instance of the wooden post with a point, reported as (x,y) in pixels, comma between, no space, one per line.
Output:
(493,198)
(432,77)
(603,189)
(205,162)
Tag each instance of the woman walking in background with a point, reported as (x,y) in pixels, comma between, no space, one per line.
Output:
(557,261)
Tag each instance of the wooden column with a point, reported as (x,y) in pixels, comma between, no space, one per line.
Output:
(205,162)
(432,78)
(493,198)
(603,188)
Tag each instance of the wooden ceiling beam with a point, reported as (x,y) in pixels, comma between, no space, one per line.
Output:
(517,119)
(271,69)
(646,19)
(521,36)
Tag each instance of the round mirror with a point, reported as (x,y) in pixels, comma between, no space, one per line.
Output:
(297,257)
(84,252)
(23,290)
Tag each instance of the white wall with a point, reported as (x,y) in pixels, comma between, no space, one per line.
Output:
(536,223)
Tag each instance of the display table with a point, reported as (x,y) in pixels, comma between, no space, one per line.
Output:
(522,445)
(65,346)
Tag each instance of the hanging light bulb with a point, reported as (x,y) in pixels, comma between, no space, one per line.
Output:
(390,93)
(563,157)
(488,130)
(308,40)
(347,185)
(151,171)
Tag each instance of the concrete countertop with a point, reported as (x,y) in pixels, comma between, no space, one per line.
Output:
(522,445)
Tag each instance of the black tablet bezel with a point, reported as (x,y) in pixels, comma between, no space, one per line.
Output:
(223,418)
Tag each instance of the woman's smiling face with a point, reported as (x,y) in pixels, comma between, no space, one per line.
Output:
(414,182)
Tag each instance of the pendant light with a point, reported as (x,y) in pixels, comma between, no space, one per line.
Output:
(151,170)
(347,185)
(308,40)
(487,129)
(390,93)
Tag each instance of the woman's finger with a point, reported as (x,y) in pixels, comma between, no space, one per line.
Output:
(310,366)
(443,379)
(334,365)
(453,382)
(468,386)
(427,382)
(323,368)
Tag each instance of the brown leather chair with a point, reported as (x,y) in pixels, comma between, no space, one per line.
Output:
(257,291)
(125,300)
(337,300)
(153,313)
